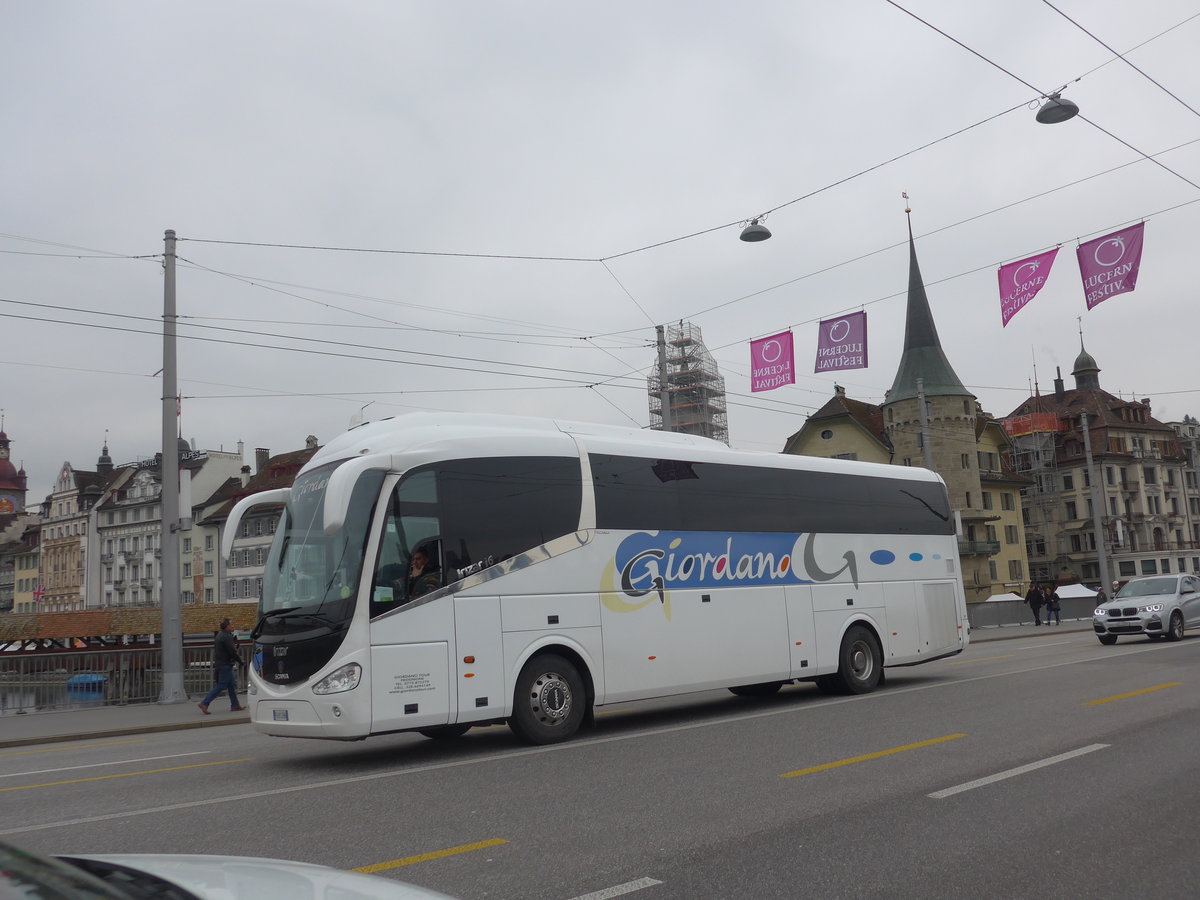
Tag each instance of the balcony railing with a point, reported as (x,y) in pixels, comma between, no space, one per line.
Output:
(978,548)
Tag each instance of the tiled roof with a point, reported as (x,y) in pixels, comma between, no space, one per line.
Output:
(868,416)
(116,622)
(278,472)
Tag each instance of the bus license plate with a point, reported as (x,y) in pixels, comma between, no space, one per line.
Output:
(279,715)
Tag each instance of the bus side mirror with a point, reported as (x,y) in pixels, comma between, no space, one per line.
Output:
(243,506)
(341,487)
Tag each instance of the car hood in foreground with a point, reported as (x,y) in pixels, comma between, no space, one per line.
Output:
(251,878)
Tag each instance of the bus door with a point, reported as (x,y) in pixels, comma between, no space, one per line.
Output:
(411,639)
(801,634)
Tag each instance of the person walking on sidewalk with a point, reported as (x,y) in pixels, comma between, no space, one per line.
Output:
(1053,606)
(1034,599)
(225,657)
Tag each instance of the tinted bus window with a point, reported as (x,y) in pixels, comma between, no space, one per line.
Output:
(494,509)
(676,495)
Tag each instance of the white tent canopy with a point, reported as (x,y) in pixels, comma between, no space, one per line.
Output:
(1068,591)
(1004,597)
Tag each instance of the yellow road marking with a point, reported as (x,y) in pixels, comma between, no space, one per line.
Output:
(963,662)
(425,857)
(30,787)
(1133,694)
(65,749)
(869,756)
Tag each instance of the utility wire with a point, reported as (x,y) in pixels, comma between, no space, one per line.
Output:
(1123,59)
(1016,77)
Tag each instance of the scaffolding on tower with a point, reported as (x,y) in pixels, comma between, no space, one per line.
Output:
(688,382)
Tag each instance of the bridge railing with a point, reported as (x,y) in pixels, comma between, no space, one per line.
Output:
(46,680)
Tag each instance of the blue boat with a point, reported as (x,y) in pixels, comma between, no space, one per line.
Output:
(86,681)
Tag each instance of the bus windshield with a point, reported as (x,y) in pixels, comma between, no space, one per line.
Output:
(311,573)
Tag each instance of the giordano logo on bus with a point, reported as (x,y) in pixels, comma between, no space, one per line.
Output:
(647,565)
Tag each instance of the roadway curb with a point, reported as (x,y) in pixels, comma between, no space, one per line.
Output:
(981,639)
(120,732)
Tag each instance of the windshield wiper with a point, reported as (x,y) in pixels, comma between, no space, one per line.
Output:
(288,614)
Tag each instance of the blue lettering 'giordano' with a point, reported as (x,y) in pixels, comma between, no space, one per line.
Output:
(647,566)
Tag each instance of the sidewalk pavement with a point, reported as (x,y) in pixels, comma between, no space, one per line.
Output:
(99,722)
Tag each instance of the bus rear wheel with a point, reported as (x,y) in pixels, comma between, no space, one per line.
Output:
(860,664)
(443,732)
(549,700)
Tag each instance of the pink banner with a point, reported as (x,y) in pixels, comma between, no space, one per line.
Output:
(772,363)
(1020,282)
(1109,265)
(842,343)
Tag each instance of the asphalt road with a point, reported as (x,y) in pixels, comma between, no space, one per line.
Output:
(1044,767)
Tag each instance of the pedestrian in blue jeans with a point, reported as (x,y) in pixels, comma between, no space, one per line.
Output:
(225,657)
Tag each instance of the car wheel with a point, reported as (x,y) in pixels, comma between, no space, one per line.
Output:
(1107,639)
(1175,629)
(766,689)
(860,664)
(548,702)
(444,732)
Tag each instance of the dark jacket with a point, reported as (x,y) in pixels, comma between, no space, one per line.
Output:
(225,651)
(1034,598)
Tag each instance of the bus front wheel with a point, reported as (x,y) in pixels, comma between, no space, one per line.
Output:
(860,664)
(549,700)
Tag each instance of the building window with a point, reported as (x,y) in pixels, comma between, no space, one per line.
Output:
(187,570)
(1068,482)
(991,532)
(187,545)
(987,499)
(992,570)
(1006,501)
(1149,567)
(1127,569)
(208,595)
(966,460)
(208,542)
(1070,510)
(233,586)
(208,570)
(1015,570)
(826,435)
(1010,534)
(1165,565)
(260,556)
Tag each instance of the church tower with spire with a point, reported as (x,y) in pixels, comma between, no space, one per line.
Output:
(12,481)
(952,419)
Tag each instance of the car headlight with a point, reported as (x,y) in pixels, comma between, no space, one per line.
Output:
(1098,611)
(1151,607)
(344,679)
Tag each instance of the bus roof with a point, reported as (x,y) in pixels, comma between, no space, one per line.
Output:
(470,435)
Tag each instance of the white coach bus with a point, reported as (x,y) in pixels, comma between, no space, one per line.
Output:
(562,566)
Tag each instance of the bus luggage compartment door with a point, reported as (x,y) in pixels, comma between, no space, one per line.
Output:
(410,686)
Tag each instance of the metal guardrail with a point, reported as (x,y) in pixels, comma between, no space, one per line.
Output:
(998,613)
(64,680)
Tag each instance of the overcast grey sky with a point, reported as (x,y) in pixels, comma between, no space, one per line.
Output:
(565,130)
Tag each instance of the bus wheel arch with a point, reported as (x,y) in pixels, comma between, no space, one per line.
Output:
(553,696)
(860,662)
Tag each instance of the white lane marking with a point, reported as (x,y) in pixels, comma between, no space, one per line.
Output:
(117,762)
(585,743)
(619,890)
(1012,773)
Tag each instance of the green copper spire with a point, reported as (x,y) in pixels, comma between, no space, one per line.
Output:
(922,356)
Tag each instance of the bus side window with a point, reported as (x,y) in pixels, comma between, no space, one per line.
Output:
(388,589)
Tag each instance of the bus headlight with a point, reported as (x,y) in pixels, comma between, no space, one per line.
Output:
(344,679)
(251,688)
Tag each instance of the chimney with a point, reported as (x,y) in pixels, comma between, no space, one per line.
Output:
(261,455)
(839,391)
(1059,393)
(245,476)
(1146,403)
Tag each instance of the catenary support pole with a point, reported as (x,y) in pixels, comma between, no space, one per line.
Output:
(172,614)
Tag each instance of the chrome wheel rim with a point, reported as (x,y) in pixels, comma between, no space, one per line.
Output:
(862,660)
(550,698)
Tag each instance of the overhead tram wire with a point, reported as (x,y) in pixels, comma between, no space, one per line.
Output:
(359,356)
(1016,77)
(1122,56)
(273,286)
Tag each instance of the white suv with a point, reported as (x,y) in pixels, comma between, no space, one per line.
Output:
(1156,606)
